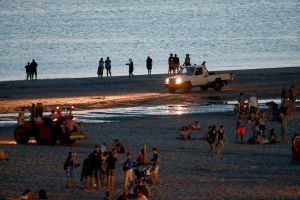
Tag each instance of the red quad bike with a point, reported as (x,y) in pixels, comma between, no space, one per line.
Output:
(47,131)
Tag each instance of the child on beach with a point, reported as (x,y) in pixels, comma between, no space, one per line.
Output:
(155,165)
(211,137)
(240,128)
(70,166)
(184,133)
(220,144)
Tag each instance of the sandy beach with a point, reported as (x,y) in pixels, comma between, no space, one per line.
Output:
(246,171)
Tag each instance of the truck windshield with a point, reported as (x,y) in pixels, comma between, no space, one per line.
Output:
(187,70)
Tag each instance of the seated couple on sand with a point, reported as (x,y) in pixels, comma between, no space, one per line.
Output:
(259,139)
(185,131)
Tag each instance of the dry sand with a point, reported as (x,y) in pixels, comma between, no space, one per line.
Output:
(245,172)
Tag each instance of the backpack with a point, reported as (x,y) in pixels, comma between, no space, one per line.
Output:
(66,164)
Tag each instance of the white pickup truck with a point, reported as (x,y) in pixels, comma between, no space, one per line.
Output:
(197,76)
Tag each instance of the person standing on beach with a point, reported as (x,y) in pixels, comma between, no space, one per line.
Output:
(33,69)
(149,64)
(100,68)
(171,64)
(220,143)
(111,169)
(87,172)
(240,128)
(187,60)
(70,166)
(253,104)
(211,138)
(176,63)
(27,69)
(96,165)
(155,165)
(130,64)
(108,66)
(128,170)
(283,123)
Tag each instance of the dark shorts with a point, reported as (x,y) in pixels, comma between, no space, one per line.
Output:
(253,109)
(110,172)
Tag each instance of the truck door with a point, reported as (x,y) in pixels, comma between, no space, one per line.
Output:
(199,77)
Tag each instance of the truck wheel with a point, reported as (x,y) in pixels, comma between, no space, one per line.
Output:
(21,136)
(204,87)
(218,85)
(46,135)
(187,87)
(172,90)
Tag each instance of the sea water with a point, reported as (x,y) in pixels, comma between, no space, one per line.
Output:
(67,38)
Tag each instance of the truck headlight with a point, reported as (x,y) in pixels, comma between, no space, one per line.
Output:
(167,80)
(178,81)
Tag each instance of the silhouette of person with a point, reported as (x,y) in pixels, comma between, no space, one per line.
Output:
(33,69)
(27,68)
(108,66)
(149,65)
(100,68)
(130,64)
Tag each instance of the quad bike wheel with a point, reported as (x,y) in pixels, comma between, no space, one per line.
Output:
(46,135)
(21,136)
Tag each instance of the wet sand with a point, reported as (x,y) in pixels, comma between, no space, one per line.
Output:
(245,172)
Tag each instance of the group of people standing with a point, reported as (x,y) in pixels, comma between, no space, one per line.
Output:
(174,63)
(101,163)
(249,112)
(104,64)
(107,65)
(31,70)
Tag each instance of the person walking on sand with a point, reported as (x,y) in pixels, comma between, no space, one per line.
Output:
(128,170)
(27,69)
(211,138)
(108,66)
(70,166)
(130,64)
(33,69)
(220,143)
(155,165)
(149,64)
(100,68)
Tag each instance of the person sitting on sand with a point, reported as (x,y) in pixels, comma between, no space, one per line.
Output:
(272,136)
(195,126)
(184,133)
(255,139)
